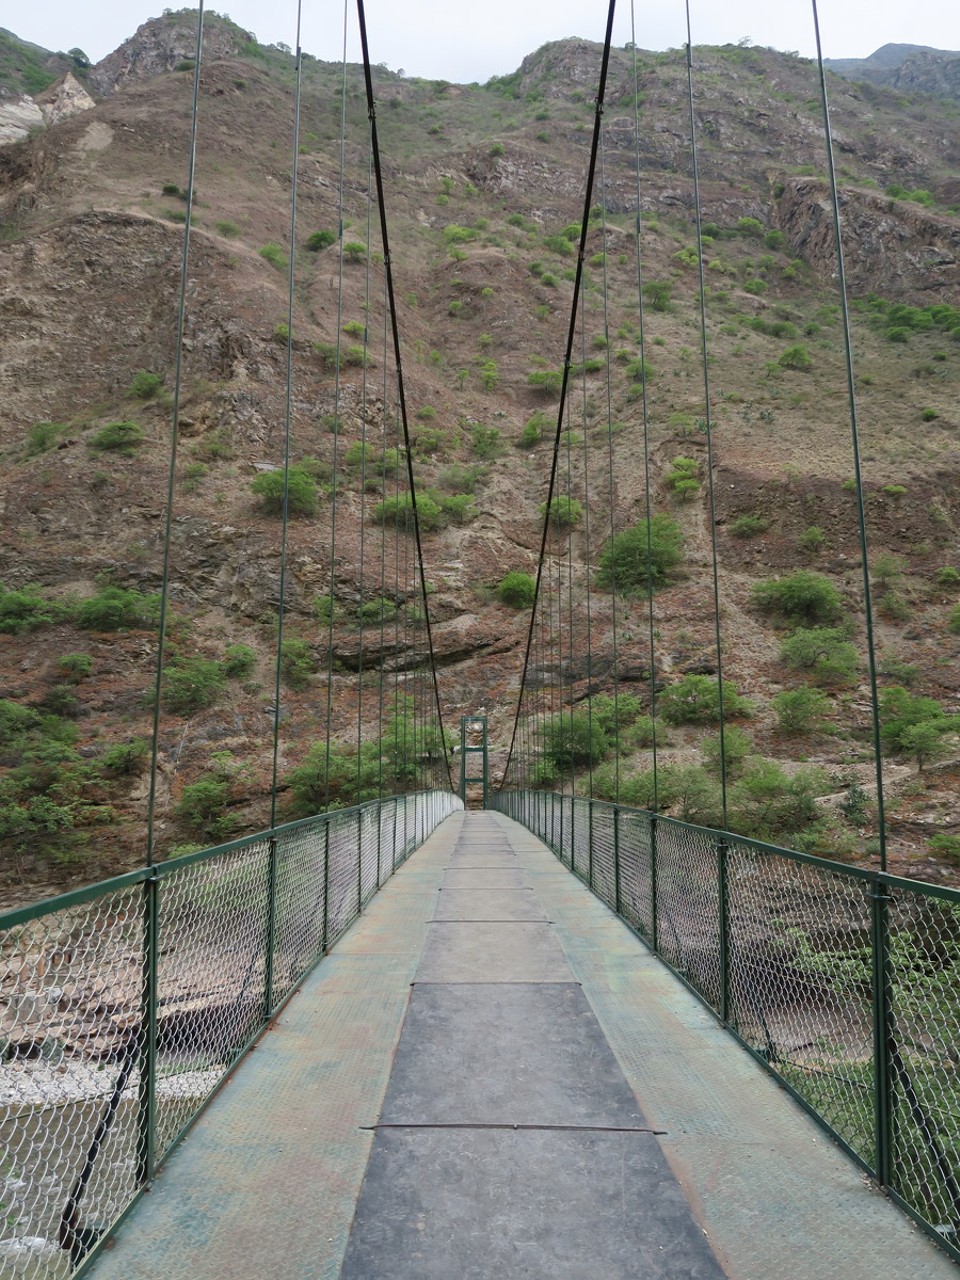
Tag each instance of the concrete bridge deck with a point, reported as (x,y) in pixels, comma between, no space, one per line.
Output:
(490,1077)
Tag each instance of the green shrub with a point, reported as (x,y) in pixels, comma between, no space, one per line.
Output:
(627,564)
(549,381)
(238,661)
(656,294)
(826,653)
(695,699)
(573,739)
(901,711)
(737,746)
(27,609)
(354,251)
(125,758)
(796,357)
(318,240)
(682,479)
(517,590)
(274,254)
(43,436)
(117,609)
(296,663)
(533,432)
(615,714)
(812,539)
(325,609)
(398,510)
(486,441)
(145,384)
(227,228)
(301,491)
(379,609)
(75,666)
(190,684)
(800,710)
(202,804)
(803,597)
(119,437)
(747,526)
(563,511)
(945,846)
(948,578)
(768,804)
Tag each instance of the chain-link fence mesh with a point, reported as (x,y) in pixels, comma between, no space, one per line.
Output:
(580,852)
(122,1007)
(687,906)
(603,862)
(924,1049)
(845,982)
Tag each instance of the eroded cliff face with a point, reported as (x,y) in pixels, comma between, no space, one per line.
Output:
(162,45)
(893,248)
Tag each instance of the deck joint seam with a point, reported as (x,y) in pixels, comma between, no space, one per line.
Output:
(520,1127)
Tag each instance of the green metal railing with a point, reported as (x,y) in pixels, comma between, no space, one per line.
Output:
(843,982)
(124,1006)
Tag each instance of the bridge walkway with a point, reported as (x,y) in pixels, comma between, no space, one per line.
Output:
(491,1077)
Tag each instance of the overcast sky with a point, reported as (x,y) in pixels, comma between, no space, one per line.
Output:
(465,42)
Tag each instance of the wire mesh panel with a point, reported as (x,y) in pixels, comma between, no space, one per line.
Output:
(604,832)
(800,983)
(388,824)
(300,904)
(635,865)
(343,892)
(369,828)
(211,969)
(565,805)
(923,1035)
(72,1030)
(687,906)
(580,837)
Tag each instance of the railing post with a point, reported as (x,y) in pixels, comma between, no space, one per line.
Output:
(359,860)
(616,858)
(326,883)
(724,927)
(271,927)
(147,1093)
(880,981)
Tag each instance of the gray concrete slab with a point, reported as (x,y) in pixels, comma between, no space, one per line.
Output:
(496,1204)
(481,859)
(484,878)
(489,904)
(507,1054)
(479,951)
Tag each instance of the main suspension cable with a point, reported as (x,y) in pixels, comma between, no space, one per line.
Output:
(707,422)
(375,144)
(287,422)
(855,441)
(571,334)
(174,438)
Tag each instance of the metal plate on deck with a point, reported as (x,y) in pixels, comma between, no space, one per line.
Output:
(468,1204)
(506,1054)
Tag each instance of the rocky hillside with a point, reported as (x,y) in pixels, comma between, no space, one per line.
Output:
(908,68)
(484,195)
